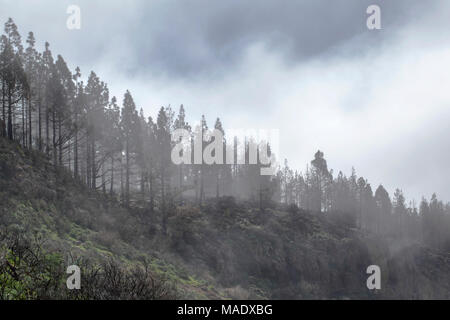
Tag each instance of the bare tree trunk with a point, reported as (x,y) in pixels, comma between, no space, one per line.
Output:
(88,162)
(121,179)
(142,184)
(30,128)
(69,155)
(127,173)
(10,126)
(55,152)
(39,122)
(152,196)
(23,123)
(111,189)
(103,178)
(75,164)
(3,122)
(93,163)
(47,130)
(163,200)
(60,142)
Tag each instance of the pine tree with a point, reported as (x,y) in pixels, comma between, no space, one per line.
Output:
(163,145)
(321,180)
(128,124)
(384,206)
(180,123)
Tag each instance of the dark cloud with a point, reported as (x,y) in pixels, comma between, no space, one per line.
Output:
(195,37)
(198,37)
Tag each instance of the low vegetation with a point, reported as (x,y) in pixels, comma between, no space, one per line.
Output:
(224,248)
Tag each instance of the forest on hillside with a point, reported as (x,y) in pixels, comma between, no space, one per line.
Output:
(112,147)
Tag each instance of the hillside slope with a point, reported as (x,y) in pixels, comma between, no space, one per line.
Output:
(292,254)
(223,249)
(45,210)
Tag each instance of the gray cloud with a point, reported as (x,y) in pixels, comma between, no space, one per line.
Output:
(197,37)
(185,38)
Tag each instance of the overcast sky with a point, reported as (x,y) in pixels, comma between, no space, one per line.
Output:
(378,100)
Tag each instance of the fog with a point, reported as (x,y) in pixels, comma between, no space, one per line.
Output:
(376,100)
